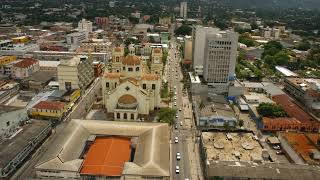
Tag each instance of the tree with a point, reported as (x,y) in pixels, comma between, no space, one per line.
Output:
(166,115)
(240,122)
(271,110)
(247,40)
(303,45)
(281,58)
(183,30)
(129,41)
(272,48)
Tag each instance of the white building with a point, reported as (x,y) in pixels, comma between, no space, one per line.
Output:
(19,50)
(10,119)
(85,25)
(74,39)
(130,89)
(75,73)
(199,41)
(183,10)
(219,61)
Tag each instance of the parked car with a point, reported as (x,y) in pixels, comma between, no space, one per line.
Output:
(277,147)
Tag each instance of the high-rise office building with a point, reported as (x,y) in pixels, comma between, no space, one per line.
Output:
(219,60)
(198,44)
(183,10)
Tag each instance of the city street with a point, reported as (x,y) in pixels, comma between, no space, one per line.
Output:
(182,127)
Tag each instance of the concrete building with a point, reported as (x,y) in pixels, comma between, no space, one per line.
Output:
(7,59)
(219,60)
(188,48)
(10,119)
(75,39)
(306,91)
(165,20)
(199,35)
(85,25)
(57,55)
(183,10)
(18,50)
(80,145)
(15,150)
(130,89)
(95,46)
(53,110)
(75,73)
(25,68)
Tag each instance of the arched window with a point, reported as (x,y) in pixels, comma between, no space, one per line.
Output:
(137,69)
(118,115)
(117,59)
(132,116)
(125,116)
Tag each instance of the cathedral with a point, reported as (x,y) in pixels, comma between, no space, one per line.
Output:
(131,86)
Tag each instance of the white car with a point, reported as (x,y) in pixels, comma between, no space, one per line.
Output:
(180,123)
(174,87)
(180,109)
(177,116)
(176,140)
(177,170)
(175,104)
(175,98)
(178,156)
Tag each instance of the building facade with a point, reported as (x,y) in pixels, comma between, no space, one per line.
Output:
(183,10)
(48,109)
(220,59)
(75,73)
(25,68)
(131,88)
(74,39)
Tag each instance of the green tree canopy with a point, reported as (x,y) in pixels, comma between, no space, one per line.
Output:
(183,30)
(271,110)
(303,45)
(247,40)
(166,115)
(272,48)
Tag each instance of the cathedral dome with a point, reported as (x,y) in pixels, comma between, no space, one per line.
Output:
(127,101)
(131,60)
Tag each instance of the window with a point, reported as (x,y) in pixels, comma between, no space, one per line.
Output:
(117,59)
(132,116)
(118,115)
(67,85)
(130,69)
(123,68)
(115,85)
(8,123)
(153,86)
(125,116)
(144,86)
(137,69)
(107,84)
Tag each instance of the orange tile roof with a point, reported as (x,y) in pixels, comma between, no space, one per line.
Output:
(157,50)
(282,121)
(106,156)
(149,77)
(112,75)
(127,99)
(301,144)
(118,49)
(291,108)
(131,60)
(50,105)
(25,63)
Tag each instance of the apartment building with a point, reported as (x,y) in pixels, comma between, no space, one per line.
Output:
(25,68)
(183,10)
(75,73)
(74,39)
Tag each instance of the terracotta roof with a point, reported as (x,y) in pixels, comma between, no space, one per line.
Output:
(127,99)
(25,63)
(291,108)
(149,77)
(131,79)
(51,105)
(106,156)
(112,75)
(131,60)
(301,144)
(157,50)
(117,49)
(282,121)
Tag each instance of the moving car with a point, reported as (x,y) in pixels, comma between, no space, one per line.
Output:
(177,170)
(178,156)
(176,140)
(180,109)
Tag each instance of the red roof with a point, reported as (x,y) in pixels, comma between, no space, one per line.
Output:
(291,108)
(106,156)
(51,105)
(25,63)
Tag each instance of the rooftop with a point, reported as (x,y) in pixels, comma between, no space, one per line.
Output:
(5,109)
(242,147)
(291,108)
(107,156)
(11,147)
(131,60)
(52,105)
(302,145)
(285,71)
(152,150)
(250,170)
(25,63)
(74,61)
